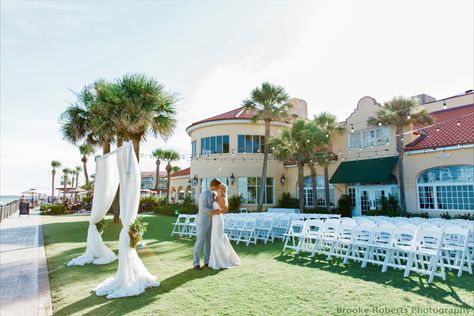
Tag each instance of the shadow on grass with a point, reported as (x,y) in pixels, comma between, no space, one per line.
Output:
(123,306)
(394,278)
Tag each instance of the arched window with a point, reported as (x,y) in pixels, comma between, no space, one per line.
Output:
(320,192)
(446,188)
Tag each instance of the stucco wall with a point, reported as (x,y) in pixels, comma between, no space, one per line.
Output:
(417,163)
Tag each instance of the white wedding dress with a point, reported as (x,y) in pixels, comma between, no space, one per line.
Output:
(223,256)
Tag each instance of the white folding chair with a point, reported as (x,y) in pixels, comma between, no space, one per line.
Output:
(454,249)
(180,226)
(359,243)
(191,225)
(294,235)
(280,227)
(247,232)
(328,236)
(425,256)
(378,244)
(403,241)
(264,229)
(311,235)
(343,238)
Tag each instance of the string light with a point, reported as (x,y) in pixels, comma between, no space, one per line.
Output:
(223,157)
(444,105)
(380,123)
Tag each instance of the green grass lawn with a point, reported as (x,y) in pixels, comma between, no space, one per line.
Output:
(265,284)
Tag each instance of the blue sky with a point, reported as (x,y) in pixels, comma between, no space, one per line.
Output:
(329,53)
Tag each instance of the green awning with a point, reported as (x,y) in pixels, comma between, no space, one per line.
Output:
(365,171)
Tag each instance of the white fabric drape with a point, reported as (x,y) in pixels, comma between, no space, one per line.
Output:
(132,278)
(105,187)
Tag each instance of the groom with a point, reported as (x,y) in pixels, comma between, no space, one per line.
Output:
(204,223)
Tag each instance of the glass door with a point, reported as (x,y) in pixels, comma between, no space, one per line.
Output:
(365,200)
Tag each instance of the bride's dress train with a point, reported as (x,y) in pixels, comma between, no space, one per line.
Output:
(222,256)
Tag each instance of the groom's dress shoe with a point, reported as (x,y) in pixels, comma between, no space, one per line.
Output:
(197,267)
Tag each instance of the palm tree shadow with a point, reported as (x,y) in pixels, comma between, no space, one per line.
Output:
(123,306)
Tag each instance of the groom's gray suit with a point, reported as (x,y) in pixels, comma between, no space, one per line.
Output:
(203,227)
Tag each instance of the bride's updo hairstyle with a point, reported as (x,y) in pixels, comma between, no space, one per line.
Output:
(215,182)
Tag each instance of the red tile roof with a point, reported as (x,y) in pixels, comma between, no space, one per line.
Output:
(449,134)
(183,172)
(237,114)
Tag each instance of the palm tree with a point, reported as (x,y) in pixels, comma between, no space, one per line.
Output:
(90,117)
(78,170)
(176,168)
(145,107)
(159,155)
(269,103)
(400,112)
(319,139)
(327,123)
(73,173)
(54,164)
(86,150)
(295,144)
(170,155)
(66,173)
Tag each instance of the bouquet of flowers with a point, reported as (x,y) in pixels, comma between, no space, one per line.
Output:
(137,229)
(101,226)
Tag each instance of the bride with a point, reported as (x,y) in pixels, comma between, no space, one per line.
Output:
(222,256)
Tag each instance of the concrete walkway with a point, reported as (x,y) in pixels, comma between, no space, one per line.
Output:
(24,282)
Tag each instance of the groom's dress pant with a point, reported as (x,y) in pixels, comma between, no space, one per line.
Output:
(203,232)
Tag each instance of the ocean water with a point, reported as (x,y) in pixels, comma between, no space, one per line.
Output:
(5,199)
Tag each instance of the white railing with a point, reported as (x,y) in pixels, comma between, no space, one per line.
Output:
(9,209)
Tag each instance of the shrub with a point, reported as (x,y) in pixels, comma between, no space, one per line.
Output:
(445,215)
(187,206)
(287,201)
(149,203)
(383,213)
(467,216)
(55,209)
(419,214)
(235,202)
(44,207)
(344,205)
(319,210)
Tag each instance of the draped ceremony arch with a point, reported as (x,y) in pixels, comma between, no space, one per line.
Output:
(132,277)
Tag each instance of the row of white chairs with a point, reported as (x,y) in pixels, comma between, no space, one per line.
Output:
(248,227)
(419,248)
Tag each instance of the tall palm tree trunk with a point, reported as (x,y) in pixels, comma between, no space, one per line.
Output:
(301,186)
(64,191)
(401,178)
(168,177)
(158,162)
(136,146)
(105,148)
(313,183)
(326,186)
(52,184)
(119,142)
(84,166)
(73,181)
(264,168)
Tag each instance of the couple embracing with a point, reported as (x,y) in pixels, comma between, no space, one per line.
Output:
(218,252)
